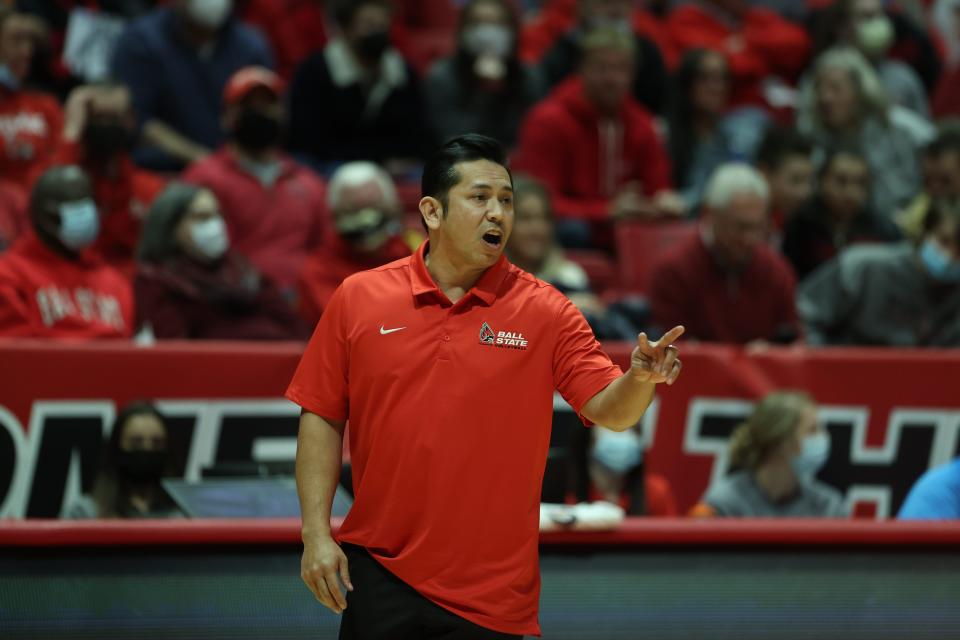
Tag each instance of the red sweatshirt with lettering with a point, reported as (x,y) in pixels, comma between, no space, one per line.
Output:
(30,127)
(45,295)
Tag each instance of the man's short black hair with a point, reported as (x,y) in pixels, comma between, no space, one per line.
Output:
(440,173)
(345,10)
(781,143)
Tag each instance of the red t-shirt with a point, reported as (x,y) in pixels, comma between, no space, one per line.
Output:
(30,128)
(450,409)
(44,295)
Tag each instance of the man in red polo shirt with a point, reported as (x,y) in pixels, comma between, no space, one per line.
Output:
(445,364)
(51,284)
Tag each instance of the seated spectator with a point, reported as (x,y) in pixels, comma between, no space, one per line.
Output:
(51,285)
(726,283)
(941,180)
(616,471)
(757,43)
(366,218)
(844,105)
(935,496)
(97,136)
(649,83)
(192,285)
(31,122)
(838,215)
(775,456)
(532,247)
(702,132)
(593,117)
(176,60)
(901,295)
(483,88)
(866,26)
(274,207)
(134,459)
(368,95)
(785,160)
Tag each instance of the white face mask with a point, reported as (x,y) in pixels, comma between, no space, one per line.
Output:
(875,35)
(209,13)
(618,451)
(488,40)
(79,224)
(813,454)
(210,237)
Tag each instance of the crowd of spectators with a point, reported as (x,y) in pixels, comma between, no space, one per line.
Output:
(215,168)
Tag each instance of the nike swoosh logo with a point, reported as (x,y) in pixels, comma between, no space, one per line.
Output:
(384,332)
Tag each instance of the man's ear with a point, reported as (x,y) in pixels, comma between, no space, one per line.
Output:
(432,212)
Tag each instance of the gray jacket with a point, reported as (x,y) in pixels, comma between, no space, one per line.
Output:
(738,495)
(878,295)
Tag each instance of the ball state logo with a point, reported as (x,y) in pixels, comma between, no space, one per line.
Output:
(502,339)
(486,334)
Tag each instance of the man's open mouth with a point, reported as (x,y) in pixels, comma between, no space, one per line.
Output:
(493,238)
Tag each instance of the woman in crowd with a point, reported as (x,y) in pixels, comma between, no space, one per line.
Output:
(702,133)
(483,87)
(775,456)
(191,285)
(838,215)
(134,460)
(845,105)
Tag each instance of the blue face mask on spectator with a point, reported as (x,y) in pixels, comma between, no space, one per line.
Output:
(618,451)
(812,456)
(79,224)
(938,263)
(7,79)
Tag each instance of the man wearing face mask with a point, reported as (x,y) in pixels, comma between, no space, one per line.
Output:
(98,136)
(903,295)
(274,208)
(366,218)
(649,71)
(31,122)
(176,60)
(50,284)
(357,99)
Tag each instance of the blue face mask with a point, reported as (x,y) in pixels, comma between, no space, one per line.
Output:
(938,263)
(8,80)
(813,455)
(79,224)
(618,451)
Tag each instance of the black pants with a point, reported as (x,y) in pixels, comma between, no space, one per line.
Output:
(383,607)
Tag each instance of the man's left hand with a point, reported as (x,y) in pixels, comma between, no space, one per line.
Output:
(658,361)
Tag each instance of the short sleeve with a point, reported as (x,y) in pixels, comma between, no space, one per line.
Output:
(581,369)
(319,384)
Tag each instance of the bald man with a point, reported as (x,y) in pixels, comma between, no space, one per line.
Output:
(51,284)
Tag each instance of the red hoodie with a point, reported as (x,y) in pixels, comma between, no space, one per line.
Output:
(30,124)
(44,295)
(585,159)
(767,45)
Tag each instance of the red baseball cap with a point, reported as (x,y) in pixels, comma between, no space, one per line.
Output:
(249,78)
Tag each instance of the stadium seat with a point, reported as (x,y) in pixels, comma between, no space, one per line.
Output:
(639,246)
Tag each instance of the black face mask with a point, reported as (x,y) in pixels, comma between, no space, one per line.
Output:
(256,131)
(103,140)
(141,466)
(372,45)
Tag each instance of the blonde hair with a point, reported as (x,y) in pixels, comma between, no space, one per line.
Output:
(773,421)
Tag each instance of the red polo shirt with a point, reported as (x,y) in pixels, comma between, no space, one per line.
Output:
(450,409)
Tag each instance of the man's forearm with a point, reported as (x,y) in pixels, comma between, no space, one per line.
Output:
(168,140)
(620,404)
(319,451)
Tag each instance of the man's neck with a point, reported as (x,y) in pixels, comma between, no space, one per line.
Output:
(245,155)
(776,479)
(530,266)
(54,244)
(452,276)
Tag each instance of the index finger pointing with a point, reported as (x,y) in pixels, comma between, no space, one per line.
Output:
(670,336)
